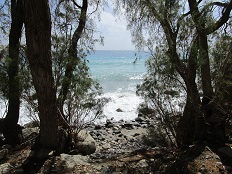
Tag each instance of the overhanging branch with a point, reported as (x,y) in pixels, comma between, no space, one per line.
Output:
(224,18)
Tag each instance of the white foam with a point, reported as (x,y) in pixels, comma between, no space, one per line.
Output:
(23,114)
(127,102)
(137,77)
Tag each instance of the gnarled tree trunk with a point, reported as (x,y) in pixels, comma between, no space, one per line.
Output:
(38,37)
(72,53)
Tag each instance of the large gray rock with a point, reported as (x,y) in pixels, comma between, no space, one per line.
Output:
(87,144)
(6,168)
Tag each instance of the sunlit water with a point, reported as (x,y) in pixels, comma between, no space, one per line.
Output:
(118,72)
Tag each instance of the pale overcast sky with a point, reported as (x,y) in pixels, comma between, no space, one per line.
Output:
(113,29)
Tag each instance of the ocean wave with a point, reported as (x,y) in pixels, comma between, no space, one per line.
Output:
(128,102)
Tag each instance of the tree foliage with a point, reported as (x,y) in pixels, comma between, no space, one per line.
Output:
(72,39)
(181,34)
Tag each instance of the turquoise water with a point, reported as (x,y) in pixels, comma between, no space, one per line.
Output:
(119,72)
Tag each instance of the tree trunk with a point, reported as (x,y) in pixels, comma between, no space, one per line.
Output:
(205,65)
(200,25)
(189,126)
(72,53)
(11,131)
(38,37)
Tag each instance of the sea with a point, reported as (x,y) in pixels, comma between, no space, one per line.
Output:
(119,72)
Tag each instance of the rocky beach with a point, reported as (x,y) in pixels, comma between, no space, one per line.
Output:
(112,147)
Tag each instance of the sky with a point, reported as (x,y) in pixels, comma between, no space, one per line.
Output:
(114,30)
(115,33)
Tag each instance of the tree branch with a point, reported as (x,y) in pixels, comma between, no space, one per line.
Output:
(224,18)
(74,2)
(179,20)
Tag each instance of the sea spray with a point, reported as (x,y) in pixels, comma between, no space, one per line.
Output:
(119,74)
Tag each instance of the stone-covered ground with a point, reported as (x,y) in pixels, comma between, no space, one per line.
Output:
(119,149)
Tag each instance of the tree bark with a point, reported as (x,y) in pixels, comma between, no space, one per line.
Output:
(11,130)
(72,53)
(38,38)
(199,21)
(189,126)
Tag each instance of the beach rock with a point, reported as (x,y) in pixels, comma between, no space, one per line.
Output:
(140,119)
(87,146)
(6,168)
(109,125)
(119,110)
(97,127)
(106,146)
(3,154)
(128,125)
(116,131)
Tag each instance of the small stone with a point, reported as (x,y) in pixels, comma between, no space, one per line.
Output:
(119,110)
(106,146)
(136,134)
(139,119)
(97,127)
(116,131)
(142,163)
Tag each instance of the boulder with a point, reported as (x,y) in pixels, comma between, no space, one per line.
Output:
(88,145)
